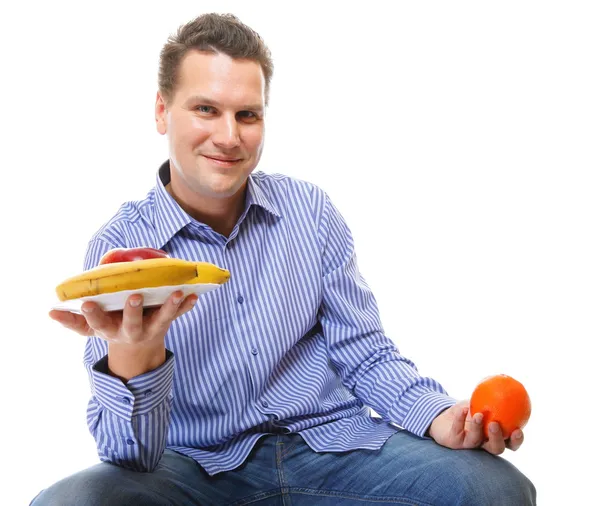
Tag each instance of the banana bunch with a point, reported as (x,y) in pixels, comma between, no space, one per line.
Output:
(137,274)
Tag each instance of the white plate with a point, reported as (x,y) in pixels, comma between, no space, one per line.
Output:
(152,297)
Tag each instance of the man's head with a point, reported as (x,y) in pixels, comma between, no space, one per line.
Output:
(213,87)
(213,33)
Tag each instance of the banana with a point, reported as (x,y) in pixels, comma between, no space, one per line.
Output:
(149,273)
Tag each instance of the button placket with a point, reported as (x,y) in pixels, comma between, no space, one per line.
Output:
(230,254)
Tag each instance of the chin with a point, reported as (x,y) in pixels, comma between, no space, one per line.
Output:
(224,190)
(226,184)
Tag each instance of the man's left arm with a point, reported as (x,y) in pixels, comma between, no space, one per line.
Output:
(368,362)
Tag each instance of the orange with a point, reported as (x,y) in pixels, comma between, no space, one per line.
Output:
(502,399)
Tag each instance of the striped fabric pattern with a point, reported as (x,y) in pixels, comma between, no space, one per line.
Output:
(292,343)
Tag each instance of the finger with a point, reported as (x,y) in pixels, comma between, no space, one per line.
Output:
(516,440)
(474,431)
(133,322)
(98,320)
(71,321)
(458,419)
(495,443)
(159,321)
(188,304)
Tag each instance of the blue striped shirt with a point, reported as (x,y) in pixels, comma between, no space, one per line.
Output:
(292,343)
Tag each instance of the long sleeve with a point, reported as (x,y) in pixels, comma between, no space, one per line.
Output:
(128,421)
(368,362)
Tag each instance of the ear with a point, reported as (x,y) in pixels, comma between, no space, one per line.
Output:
(160,114)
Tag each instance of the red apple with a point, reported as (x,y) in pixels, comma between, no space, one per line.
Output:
(131,254)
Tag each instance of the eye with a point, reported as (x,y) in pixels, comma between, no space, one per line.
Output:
(247,115)
(206,109)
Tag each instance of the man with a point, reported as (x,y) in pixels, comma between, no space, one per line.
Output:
(257,392)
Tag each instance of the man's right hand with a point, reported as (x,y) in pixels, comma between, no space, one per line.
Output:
(136,337)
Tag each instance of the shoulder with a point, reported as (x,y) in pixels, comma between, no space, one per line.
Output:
(290,194)
(132,222)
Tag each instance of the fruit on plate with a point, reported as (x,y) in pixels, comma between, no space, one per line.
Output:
(138,274)
(502,399)
(131,254)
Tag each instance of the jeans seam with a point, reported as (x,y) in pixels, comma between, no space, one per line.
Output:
(255,498)
(280,445)
(345,495)
(285,451)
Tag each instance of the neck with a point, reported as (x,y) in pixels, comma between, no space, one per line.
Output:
(219,214)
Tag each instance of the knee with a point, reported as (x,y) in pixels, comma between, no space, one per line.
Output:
(99,485)
(496,483)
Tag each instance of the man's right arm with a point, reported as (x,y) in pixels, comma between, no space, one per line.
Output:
(129,411)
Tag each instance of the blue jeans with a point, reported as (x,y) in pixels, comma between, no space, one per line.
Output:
(284,470)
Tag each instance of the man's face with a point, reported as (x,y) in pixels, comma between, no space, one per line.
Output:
(215,123)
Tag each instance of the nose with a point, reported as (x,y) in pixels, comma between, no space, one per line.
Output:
(226,134)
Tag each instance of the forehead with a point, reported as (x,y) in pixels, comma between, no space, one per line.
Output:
(221,78)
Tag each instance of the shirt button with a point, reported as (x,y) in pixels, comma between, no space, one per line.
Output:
(240,299)
(265,404)
(130,442)
(125,400)
(254,351)
(148,393)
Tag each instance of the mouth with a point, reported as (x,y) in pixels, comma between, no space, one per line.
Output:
(223,161)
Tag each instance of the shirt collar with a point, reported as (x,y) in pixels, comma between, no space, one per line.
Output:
(257,196)
(170,218)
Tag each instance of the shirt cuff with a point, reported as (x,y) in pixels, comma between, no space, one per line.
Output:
(139,396)
(423,411)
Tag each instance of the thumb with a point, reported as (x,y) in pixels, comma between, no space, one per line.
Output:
(71,321)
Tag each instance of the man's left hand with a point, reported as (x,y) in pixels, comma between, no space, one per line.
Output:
(455,428)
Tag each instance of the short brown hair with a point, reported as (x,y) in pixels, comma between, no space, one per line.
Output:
(215,33)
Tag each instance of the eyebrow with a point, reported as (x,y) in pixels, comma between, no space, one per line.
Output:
(214,103)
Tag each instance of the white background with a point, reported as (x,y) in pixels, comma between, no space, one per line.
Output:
(459,140)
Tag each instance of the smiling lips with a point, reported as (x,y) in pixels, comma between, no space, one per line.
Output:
(223,161)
